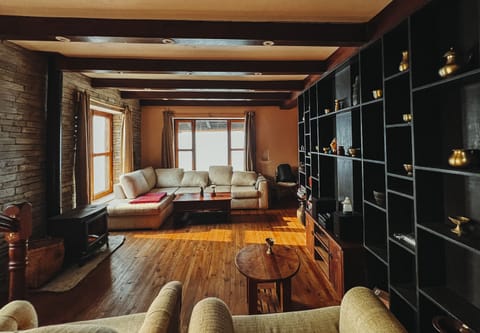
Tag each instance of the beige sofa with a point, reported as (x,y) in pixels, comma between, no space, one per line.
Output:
(248,190)
(360,312)
(163,316)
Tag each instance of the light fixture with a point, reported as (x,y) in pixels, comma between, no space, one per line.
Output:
(62,39)
(258,73)
(168,41)
(268,43)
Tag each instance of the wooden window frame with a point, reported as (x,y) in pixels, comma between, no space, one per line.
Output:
(193,126)
(109,154)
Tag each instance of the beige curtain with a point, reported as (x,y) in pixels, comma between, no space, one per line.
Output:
(168,160)
(127,141)
(250,141)
(82,162)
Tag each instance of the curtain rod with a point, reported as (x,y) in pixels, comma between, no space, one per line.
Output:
(211,115)
(107,105)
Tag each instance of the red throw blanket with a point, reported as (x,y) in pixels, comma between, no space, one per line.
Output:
(149,197)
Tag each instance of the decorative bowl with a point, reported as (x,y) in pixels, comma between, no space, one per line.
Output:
(408,168)
(354,152)
(379,197)
(407,117)
(377,93)
(444,324)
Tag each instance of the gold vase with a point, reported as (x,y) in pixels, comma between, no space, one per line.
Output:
(461,158)
(404,63)
(450,66)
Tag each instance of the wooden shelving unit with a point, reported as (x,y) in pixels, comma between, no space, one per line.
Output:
(439,274)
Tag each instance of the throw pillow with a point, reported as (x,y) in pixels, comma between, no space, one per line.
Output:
(244,178)
(149,197)
(134,184)
(220,174)
(150,176)
(195,178)
(170,177)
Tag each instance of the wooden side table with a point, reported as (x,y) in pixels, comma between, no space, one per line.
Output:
(84,230)
(260,267)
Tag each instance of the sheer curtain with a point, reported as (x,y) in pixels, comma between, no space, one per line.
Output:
(81,161)
(127,141)
(167,140)
(250,141)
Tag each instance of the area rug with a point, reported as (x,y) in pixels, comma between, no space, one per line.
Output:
(73,274)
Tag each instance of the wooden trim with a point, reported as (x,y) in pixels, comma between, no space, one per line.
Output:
(108,153)
(198,84)
(204,95)
(155,102)
(182,31)
(267,67)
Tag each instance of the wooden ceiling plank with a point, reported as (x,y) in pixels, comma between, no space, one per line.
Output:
(197,84)
(153,31)
(266,67)
(207,103)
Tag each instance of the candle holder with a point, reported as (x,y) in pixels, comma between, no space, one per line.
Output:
(270,241)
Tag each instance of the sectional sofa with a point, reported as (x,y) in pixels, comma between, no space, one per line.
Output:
(248,189)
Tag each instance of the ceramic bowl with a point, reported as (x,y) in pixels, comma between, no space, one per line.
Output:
(379,197)
(377,93)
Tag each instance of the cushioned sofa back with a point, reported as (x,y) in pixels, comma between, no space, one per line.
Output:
(134,184)
(220,174)
(150,176)
(244,178)
(195,178)
(170,177)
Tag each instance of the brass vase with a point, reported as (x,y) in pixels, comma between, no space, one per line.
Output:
(450,66)
(404,63)
(461,158)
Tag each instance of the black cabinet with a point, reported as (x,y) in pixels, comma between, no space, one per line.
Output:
(418,120)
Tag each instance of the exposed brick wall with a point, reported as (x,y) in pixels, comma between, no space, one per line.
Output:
(71,83)
(22,136)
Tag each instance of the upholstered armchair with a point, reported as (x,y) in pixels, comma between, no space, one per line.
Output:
(360,312)
(163,316)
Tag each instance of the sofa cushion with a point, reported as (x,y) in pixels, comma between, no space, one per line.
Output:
(150,176)
(220,174)
(195,178)
(170,177)
(72,328)
(219,189)
(243,192)
(188,189)
(134,184)
(122,207)
(243,178)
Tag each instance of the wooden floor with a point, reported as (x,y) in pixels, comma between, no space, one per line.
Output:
(200,256)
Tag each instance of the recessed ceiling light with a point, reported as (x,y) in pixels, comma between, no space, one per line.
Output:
(147,89)
(258,73)
(168,41)
(268,43)
(62,39)
(164,99)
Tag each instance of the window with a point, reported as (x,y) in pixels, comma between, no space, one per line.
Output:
(200,143)
(102,154)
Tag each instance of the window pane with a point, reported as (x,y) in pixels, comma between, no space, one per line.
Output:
(101,174)
(211,143)
(184,135)
(238,135)
(185,160)
(238,157)
(101,134)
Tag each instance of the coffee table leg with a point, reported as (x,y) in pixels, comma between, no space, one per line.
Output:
(252,296)
(285,294)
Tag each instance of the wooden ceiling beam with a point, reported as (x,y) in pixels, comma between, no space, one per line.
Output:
(182,31)
(267,67)
(198,84)
(204,95)
(199,102)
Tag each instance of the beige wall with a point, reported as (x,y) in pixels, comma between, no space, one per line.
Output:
(276,133)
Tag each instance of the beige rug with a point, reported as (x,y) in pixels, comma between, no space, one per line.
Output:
(72,275)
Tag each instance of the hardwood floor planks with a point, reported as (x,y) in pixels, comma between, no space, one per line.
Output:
(201,256)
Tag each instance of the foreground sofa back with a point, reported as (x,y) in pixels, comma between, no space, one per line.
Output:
(163,316)
(248,189)
(360,312)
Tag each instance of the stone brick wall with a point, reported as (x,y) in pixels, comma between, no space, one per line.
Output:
(22,136)
(23,77)
(71,83)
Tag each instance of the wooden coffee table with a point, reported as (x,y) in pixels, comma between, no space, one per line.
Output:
(260,267)
(187,203)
